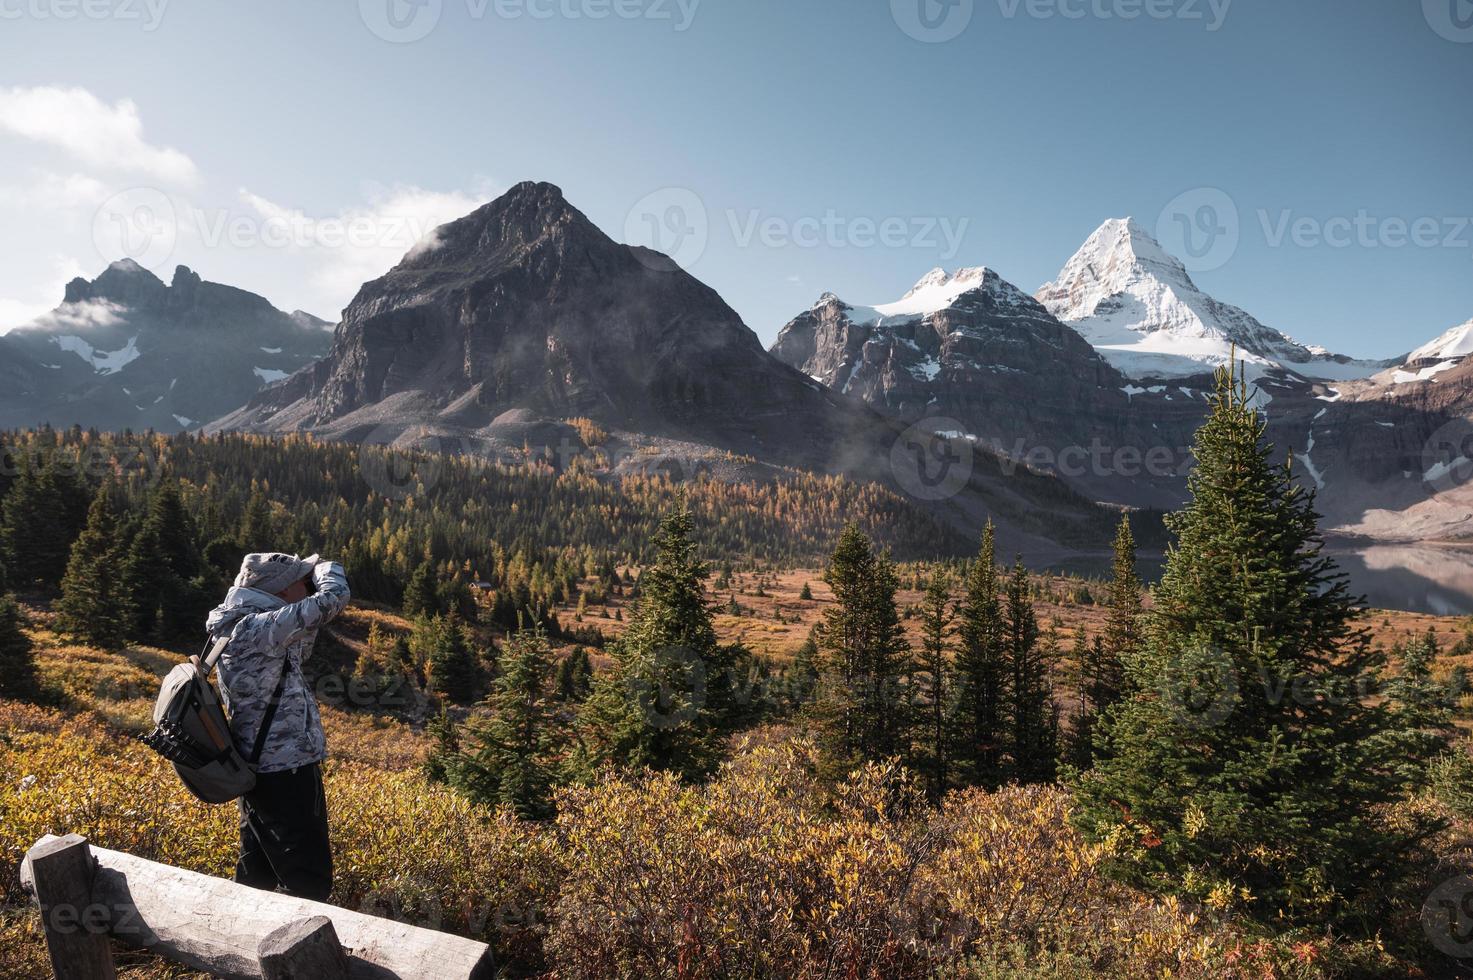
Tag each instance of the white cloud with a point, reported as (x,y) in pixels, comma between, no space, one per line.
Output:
(364,241)
(108,137)
(54,192)
(72,185)
(45,296)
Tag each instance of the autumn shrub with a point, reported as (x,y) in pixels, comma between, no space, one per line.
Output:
(403,848)
(765,871)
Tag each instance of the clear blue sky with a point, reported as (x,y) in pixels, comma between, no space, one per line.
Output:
(1031,126)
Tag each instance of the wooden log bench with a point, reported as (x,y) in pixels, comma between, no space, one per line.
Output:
(90,896)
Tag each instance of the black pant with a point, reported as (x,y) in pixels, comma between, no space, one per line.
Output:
(283,835)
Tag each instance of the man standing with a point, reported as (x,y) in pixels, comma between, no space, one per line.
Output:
(272,615)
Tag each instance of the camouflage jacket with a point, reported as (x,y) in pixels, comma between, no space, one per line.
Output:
(266,636)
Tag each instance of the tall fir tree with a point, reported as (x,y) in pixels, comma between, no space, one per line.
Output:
(257,531)
(978,735)
(935,702)
(421,597)
(1033,749)
(1248,767)
(862,709)
(510,756)
(1103,675)
(664,702)
(1423,707)
(96,605)
(169,588)
(43,513)
(17,658)
(1123,626)
(451,665)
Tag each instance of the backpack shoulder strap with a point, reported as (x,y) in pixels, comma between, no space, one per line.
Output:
(270,715)
(214,647)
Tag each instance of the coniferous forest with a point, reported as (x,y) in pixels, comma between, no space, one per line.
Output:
(1226,775)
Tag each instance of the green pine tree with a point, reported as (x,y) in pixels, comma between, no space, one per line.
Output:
(17,660)
(43,513)
(1421,705)
(169,588)
(934,662)
(452,667)
(1032,715)
(978,722)
(575,675)
(665,701)
(509,757)
(1102,663)
(1248,767)
(421,597)
(257,531)
(444,733)
(861,710)
(95,604)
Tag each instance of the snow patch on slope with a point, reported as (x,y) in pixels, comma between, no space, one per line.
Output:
(103,362)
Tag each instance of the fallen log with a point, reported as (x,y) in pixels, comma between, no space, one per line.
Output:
(217,926)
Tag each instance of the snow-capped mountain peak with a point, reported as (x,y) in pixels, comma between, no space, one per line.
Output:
(1119,254)
(1456,343)
(935,291)
(1137,304)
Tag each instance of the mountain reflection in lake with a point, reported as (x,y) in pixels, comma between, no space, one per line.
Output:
(1415,577)
(1428,578)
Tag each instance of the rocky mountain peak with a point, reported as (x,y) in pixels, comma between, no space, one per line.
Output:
(529,215)
(1118,255)
(124,282)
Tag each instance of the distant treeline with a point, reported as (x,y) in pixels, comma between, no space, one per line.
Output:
(385,512)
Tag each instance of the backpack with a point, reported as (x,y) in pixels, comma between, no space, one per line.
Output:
(193,733)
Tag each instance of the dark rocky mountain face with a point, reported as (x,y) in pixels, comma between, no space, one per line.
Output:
(524,309)
(523,315)
(126,350)
(970,352)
